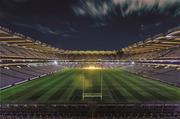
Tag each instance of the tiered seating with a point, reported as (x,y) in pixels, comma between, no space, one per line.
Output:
(162,54)
(160,46)
(174,54)
(157,57)
(15,51)
(13,74)
(110,111)
(14,45)
(169,75)
(18,52)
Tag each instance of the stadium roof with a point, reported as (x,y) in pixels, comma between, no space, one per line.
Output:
(158,42)
(89,52)
(15,39)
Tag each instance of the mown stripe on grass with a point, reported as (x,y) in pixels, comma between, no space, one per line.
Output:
(38,91)
(77,94)
(54,88)
(61,90)
(27,89)
(172,93)
(70,89)
(107,95)
(131,88)
(116,93)
(16,91)
(122,84)
(96,81)
(166,87)
(11,91)
(145,89)
(92,78)
(149,90)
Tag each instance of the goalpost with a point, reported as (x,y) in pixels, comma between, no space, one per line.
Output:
(88,94)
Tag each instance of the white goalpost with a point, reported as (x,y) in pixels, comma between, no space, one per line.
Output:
(88,94)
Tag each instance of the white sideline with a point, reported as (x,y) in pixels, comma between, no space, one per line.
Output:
(5,87)
(20,82)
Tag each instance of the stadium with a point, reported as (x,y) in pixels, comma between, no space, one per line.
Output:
(140,81)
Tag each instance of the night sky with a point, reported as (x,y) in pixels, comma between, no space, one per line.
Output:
(90,24)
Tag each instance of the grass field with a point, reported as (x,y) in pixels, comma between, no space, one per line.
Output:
(67,86)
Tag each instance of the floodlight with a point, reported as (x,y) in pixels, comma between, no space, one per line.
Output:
(132,62)
(55,63)
(18,66)
(92,68)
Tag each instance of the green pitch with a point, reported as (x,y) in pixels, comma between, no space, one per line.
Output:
(67,86)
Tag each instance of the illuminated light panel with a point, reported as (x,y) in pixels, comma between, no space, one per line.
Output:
(55,63)
(132,62)
(92,68)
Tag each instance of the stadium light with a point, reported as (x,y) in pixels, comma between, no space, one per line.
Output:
(168,36)
(55,63)
(92,68)
(7,68)
(18,66)
(132,62)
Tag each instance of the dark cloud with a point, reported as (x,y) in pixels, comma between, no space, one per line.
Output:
(99,24)
(20,0)
(125,8)
(40,28)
